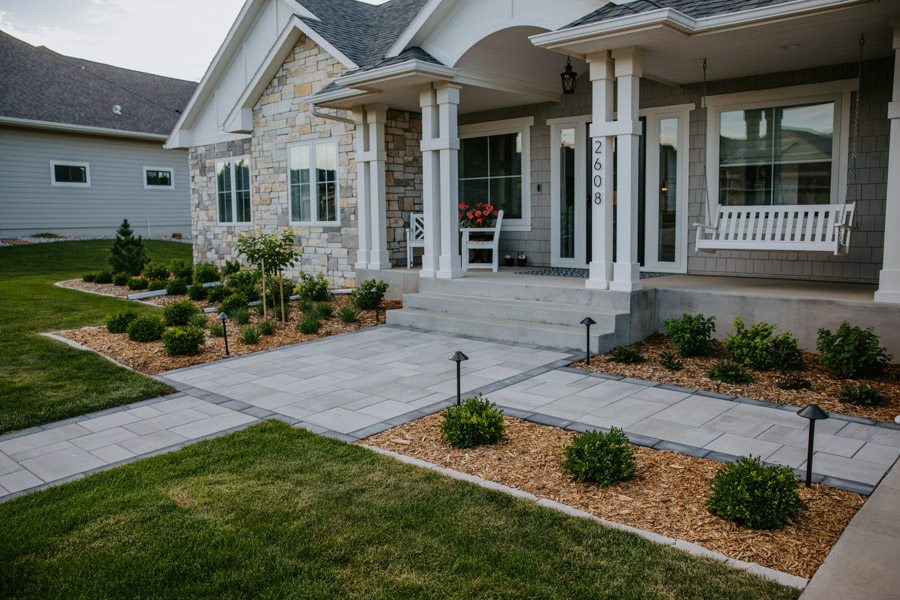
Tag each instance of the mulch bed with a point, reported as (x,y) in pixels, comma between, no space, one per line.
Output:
(825,386)
(666,496)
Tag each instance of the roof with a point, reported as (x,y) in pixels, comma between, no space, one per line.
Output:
(41,85)
(692,8)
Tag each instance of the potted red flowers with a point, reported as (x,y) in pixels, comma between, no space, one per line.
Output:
(480,215)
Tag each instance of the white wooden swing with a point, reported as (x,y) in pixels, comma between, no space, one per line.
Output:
(794,228)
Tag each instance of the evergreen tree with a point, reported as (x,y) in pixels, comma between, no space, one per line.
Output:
(128,254)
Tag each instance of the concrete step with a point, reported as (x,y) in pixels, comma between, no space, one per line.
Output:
(599,300)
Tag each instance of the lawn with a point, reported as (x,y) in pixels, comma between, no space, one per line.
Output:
(277,512)
(42,380)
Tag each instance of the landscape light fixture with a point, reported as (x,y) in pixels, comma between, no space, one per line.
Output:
(458,357)
(224,317)
(568,78)
(813,413)
(587,322)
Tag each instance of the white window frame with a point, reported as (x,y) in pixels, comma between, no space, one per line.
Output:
(521,126)
(313,188)
(556,126)
(171,185)
(232,160)
(832,91)
(70,163)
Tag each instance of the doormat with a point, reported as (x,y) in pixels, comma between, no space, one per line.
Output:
(582,273)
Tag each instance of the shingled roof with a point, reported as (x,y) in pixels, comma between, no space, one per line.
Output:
(41,85)
(692,8)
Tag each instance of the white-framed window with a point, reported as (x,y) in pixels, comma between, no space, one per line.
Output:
(70,173)
(233,189)
(495,168)
(785,146)
(159,178)
(313,189)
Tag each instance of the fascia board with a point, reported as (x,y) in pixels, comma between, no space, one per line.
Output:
(296,7)
(406,68)
(324,44)
(72,128)
(332,96)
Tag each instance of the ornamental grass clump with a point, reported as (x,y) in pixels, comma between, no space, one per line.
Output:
(267,327)
(179,313)
(754,495)
(691,335)
(146,329)
(309,324)
(216,329)
(323,310)
(626,355)
(119,322)
(183,341)
(348,315)
(602,458)
(199,320)
(249,335)
(474,422)
(670,361)
(851,351)
(240,315)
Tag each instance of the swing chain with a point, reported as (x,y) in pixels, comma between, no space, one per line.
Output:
(704,191)
(853,175)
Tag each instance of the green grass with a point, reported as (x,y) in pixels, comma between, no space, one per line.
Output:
(275,512)
(42,380)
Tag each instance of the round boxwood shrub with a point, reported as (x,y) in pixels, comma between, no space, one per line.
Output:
(472,423)
(137,283)
(155,270)
(158,284)
(205,272)
(233,303)
(120,279)
(183,341)
(368,295)
(179,313)
(758,348)
(177,287)
(119,322)
(218,293)
(754,495)
(314,289)
(851,351)
(103,277)
(691,335)
(89,276)
(146,329)
(602,458)
(198,292)
(182,269)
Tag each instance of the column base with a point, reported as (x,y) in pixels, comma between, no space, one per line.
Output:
(626,277)
(599,275)
(379,261)
(427,274)
(450,268)
(888,286)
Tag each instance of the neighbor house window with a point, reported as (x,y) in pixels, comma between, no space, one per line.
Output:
(70,173)
(233,189)
(313,183)
(158,178)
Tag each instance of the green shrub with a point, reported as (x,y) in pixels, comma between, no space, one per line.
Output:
(119,322)
(309,324)
(267,327)
(368,295)
(305,306)
(862,395)
(127,254)
(240,315)
(89,276)
(103,277)
(670,361)
(182,269)
(157,284)
(183,341)
(146,329)
(626,355)
(216,329)
(314,289)
(348,315)
(120,279)
(474,422)
(137,283)
(602,458)
(754,495)
(249,335)
(784,353)
(323,310)
(759,349)
(156,270)
(198,292)
(691,335)
(729,372)
(199,320)
(852,351)
(245,282)
(230,268)
(179,313)
(793,381)
(217,293)
(232,303)
(205,272)
(177,287)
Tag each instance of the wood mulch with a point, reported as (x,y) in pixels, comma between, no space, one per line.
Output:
(666,496)
(825,386)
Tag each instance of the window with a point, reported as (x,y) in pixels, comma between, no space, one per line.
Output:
(67,173)
(233,189)
(158,178)
(312,183)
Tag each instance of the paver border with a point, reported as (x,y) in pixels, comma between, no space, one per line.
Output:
(59,285)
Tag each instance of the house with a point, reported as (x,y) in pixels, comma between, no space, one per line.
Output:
(340,119)
(81,147)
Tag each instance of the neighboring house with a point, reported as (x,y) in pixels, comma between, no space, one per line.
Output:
(81,146)
(340,119)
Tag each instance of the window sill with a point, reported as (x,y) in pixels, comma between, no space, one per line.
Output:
(315,223)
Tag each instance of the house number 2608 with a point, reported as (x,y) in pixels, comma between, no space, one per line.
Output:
(598,170)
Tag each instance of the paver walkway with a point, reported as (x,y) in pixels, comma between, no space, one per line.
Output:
(354,385)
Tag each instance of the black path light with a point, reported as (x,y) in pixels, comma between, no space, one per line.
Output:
(568,78)
(587,322)
(224,317)
(458,357)
(813,413)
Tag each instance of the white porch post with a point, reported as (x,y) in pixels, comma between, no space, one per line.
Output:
(889,278)
(431,182)
(362,188)
(602,170)
(379,258)
(449,264)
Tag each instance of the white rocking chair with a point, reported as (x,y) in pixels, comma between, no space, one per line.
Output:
(493,245)
(415,236)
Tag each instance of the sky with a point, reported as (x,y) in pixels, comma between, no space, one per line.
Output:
(175,38)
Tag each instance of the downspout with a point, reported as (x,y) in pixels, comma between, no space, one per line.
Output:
(318,113)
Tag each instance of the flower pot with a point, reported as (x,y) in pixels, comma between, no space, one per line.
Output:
(509,261)
(522,261)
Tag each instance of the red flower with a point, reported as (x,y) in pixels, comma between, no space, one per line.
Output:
(479,221)
(478,213)
(489,208)
(470,215)
(496,213)
(462,206)
(459,215)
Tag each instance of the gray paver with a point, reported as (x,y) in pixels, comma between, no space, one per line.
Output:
(153,441)
(7,465)
(215,424)
(729,423)
(42,438)
(664,396)
(40,451)
(625,412)
(166,421)
(885,437)
(112,453)
(342,420)
(847,468)
(63,463)
(878,454)
(695,410)
(109,421)
(675,432)
(18,481)
(386,410)
(738,445)
(102,438)
(839,446)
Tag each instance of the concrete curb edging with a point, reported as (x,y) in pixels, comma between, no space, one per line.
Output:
(779,577)
(59,284)
(78,346)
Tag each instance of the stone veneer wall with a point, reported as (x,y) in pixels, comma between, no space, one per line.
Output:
(403,178)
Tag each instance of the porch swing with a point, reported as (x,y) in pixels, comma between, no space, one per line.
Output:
(794,228)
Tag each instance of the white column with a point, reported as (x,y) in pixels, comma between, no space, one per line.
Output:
(431,190)
(627,270)
(602,170)
(379,258)
(362,188)
(449,263)
(889,278)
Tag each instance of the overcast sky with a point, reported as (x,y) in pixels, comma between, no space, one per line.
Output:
(177,38)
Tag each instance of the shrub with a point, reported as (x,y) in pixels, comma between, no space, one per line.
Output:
(198,292)
(249,335)
(120,279)
(692,335)
(183,341)
(323,310)
(179,313)
(753,494)
(205,272)
(309,324)
(217,293)
(177,287)
(232,303)
(137,283)
(240,315)
(472,423)
(119,322)
(626,355)
(156,270)
(267,327)
(851,351)
(784,353)
(305,306)
(199,320)
(182,269)
(758,348)
(89,276)
(127,254)
(312,288)
(158,284)
(244,282)
(793,381)
(216,329)
(861,396)
(230,268)
(369,294)
(348,315)
(670,361)
(602,458)
(729,372)
(103,277)
(146,329)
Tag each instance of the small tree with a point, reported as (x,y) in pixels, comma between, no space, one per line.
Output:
(127,254)
(272,252)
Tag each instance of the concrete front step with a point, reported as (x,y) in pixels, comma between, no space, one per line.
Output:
(598,300)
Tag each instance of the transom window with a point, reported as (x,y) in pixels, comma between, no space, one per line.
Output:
(70,174)
(158,178)
(313,183)
(233,189)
